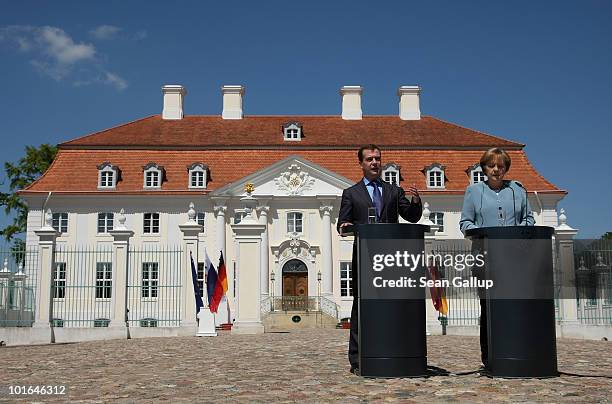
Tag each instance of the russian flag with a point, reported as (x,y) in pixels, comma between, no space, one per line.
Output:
(211,281)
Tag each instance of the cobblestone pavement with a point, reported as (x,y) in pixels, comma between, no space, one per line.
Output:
(298,366)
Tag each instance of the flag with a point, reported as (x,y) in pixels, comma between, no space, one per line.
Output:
(211,279)
(196,288)
(220,287)
(438,294)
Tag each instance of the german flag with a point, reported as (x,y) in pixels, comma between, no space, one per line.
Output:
(220,287)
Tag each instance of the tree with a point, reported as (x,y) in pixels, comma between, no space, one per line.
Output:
(607,235)
(29,168)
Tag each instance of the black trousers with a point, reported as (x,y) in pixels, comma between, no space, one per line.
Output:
(484,340)
(353,351)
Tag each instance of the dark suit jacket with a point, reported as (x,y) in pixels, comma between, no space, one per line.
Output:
(354,209)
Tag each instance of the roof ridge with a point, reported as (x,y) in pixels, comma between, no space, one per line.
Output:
(478,131)
(108,129)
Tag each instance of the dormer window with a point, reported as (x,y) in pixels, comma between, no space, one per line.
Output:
(476,174)
(435,176)
(108,175)
(153,175)
(391,173)
(197,175)
(292,131)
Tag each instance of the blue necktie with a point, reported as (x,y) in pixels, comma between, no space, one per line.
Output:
(376,199)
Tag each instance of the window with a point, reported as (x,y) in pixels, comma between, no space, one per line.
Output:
(476,174)
(151,223)
(200,218)
(197,175)
(60,222)
(239,214)
(435,175)
(104,280)
(59,280)
(153,175)
(148,322)
(101,322)
(292,131)
(107,175)
(105,222)
(150,279)
(346,279)
(438,219)
(391,173)
(294,222)
(201,271)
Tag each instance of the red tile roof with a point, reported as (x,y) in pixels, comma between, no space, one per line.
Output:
(266,131)
(74,171)
(233,149)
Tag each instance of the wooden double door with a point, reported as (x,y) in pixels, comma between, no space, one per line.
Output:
(295,286)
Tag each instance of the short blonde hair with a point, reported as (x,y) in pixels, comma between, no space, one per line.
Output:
(492,155)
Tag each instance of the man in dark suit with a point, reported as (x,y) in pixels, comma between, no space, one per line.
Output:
(389,201)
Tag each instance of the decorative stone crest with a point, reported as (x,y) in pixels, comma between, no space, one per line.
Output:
(121,220)
(294,181)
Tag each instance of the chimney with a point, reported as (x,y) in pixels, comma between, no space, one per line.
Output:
(351,102)
(173,101)
(409,109)
(232,102)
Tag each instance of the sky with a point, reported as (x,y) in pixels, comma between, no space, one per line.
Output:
(535,72)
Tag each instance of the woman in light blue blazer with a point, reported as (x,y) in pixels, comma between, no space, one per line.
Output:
(494,202)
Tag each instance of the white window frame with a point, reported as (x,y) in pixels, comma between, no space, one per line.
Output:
(201,276)
(60,222)
(201,219)
(104,284)
(292,132)
(476,170)
(59,281)
(197,170)
(149,284)
(108,219)
(438,219)
(155,172)
(391,169)
(292,221)
(103,170)
(435,170)
(346,275)
(154,217)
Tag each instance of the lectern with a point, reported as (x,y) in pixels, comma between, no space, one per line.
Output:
(520,304)
(392,331)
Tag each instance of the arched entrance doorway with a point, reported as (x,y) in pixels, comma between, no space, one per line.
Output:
(295,285)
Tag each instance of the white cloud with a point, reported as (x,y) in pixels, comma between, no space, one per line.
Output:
(116,81)
(55,54)
(59,46)
(103,32)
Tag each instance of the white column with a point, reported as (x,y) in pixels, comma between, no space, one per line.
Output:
(46,252)
(265,251)
(190,230)
(220,210)
(121,241)
(564,236)
(326,251)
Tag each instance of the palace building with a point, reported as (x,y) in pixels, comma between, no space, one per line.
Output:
(280,244)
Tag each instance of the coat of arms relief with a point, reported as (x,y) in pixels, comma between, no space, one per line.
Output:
(294,181)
